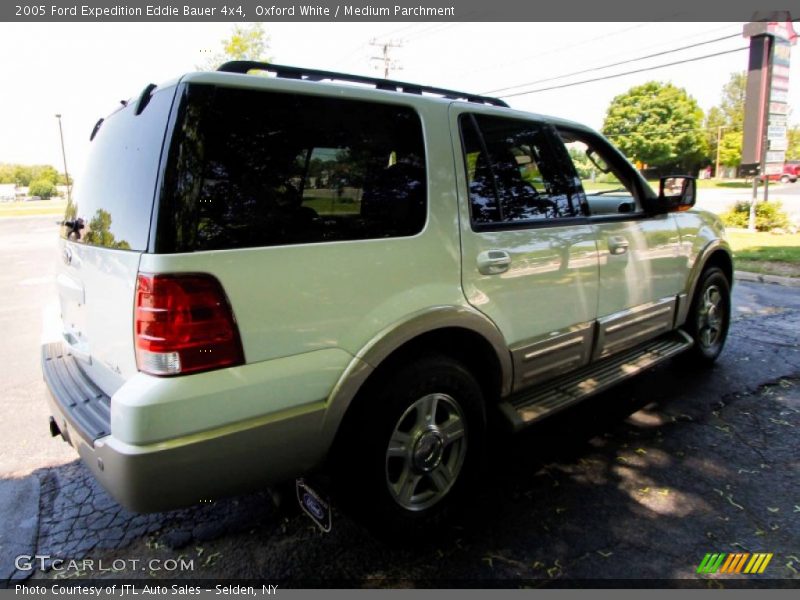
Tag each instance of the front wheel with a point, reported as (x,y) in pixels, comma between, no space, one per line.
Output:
(709,316)
(413,446)
(785,179)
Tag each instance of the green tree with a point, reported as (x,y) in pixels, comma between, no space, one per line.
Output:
(793,150)
(7,173)
(44,188)
(728,114)
(658,124)
(730,149)
(25,174)
(99,232)
(247,42)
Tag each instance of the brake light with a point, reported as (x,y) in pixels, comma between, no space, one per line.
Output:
(183,323)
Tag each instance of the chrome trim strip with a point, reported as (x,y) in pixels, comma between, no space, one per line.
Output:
(551,355)
(632,326)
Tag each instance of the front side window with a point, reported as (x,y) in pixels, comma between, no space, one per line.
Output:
(609,189)
(515,173)
(254,168)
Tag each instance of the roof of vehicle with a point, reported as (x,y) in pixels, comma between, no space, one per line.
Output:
(290,78)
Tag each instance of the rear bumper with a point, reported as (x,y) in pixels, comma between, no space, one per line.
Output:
(183,471)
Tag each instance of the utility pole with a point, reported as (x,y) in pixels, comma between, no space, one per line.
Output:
(719,142)
(389,64)
(64,155)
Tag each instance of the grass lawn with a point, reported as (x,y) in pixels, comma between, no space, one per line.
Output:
(28,209)
(724,184)
(766,253)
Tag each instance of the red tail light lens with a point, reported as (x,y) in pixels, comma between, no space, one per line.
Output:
(184,324)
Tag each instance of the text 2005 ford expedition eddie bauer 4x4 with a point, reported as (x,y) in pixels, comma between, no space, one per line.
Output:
(261,276)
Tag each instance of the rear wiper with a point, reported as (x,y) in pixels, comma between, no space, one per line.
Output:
(96,129)
(144,98)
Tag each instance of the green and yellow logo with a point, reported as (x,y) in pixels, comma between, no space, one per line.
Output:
(735,563)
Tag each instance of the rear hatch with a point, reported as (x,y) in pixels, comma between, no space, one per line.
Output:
(106,229)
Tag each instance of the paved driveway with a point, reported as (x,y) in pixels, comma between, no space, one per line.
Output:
(640,482)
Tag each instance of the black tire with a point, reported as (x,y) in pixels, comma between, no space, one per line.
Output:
(709,316)
(389,440)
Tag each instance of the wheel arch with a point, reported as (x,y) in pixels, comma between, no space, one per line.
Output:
(459,332)
(715,254)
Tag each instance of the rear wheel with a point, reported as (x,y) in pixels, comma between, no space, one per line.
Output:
(709,316)
(785,179)
(413,447)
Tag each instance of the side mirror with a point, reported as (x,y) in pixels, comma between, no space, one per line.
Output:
(677,193)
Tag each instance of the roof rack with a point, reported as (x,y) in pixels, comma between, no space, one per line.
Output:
(243,66)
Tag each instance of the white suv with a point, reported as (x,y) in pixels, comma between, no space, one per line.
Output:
(261,276)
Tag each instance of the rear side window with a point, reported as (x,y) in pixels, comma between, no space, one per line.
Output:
(254,168)
(516,173)
(113,200)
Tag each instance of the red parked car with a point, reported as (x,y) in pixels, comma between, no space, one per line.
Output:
(791,171)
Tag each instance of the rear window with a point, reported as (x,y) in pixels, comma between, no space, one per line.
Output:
(113,200)
(257,168)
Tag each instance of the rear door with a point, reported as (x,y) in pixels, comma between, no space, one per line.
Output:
(106,229)
(529,258)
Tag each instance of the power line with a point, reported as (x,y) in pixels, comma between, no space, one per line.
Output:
(616,64)
(615,75)
(436,28)
(557,49)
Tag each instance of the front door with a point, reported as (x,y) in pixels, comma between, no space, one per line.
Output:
(641,270)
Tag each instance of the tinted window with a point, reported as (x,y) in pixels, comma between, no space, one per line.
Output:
(515,172)
(254,168)
(113,200)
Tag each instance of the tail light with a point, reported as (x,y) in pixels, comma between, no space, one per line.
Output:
(184,324)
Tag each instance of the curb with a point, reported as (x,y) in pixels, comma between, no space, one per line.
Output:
(760,278)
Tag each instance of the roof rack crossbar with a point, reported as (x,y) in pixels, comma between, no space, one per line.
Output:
(287,72)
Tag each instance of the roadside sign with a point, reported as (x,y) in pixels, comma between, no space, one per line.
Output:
(776,132)
(779,108)
(777,120)
(779,145)
(776,156)
(773,169)
(779,95)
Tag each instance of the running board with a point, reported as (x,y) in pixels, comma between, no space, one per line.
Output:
(532,405)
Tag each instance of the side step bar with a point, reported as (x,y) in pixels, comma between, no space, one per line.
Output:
(532,405)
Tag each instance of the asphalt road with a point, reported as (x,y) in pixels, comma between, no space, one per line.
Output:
(638,483)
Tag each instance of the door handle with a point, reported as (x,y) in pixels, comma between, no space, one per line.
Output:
(493,262)
(617,245)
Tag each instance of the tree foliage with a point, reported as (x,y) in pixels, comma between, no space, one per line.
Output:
(730,149)
(99,232)
(793,149)
(44,188)
(658,124)
(247,42)
(729,114)
(24,175)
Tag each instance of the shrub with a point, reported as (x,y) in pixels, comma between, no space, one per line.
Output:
(768,216)
(43,188)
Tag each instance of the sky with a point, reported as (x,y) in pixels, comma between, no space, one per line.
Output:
(83,70)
